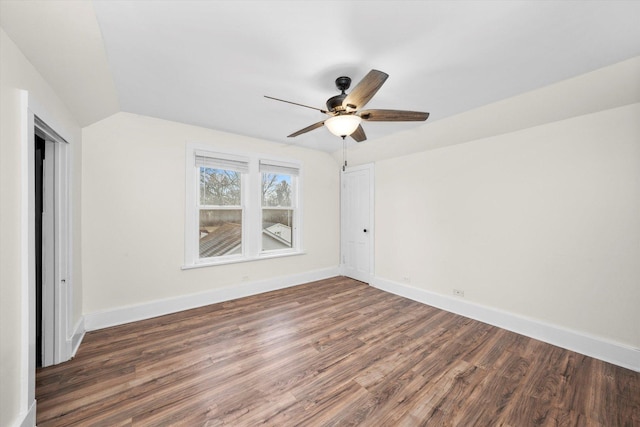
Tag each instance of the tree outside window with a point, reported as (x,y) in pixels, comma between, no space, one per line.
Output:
(220,212)
(277,211)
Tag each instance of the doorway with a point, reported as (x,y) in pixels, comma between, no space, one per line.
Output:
(44,249)
(357,221)
(50,209)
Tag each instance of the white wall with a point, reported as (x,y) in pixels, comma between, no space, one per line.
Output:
(17,73)
(134,211)
(530,205)
(543,222)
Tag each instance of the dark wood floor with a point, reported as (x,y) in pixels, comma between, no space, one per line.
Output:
(333,352)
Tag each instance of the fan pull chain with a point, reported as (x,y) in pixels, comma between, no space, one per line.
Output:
(344,154)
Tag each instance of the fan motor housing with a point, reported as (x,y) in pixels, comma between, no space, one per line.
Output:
(334,104)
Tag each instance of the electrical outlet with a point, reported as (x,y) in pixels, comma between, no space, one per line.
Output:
(458,293)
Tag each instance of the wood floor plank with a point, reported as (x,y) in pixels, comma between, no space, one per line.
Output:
(332,352)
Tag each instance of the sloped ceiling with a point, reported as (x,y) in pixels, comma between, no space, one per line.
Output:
(64,43)
(209,63)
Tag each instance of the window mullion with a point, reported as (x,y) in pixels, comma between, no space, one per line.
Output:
(253,206)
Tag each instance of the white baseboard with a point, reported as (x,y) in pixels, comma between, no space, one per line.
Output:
(580,342)
(76,338)
(121,315)
(29,418)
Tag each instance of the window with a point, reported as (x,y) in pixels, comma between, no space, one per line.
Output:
(239,208)
(220,209)
(278,191)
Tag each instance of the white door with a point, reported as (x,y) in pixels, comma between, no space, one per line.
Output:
(48,256)
(357,222)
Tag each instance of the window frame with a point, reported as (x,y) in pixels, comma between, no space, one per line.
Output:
(201,206)
(251,204)
(293,171)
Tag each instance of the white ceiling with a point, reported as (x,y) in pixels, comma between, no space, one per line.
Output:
(209,63)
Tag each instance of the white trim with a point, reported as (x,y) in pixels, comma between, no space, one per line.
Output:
(62,239)
(132,313)
(580,342)
(27,267)
(29,417)
(76,338)
(267,255)
(46,132)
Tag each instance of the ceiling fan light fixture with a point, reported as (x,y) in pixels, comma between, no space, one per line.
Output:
(343,125)
(346,108)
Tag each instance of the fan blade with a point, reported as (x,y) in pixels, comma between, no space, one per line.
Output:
(364,91)
(393,116)
(359,134)
(295,103)
(307,129)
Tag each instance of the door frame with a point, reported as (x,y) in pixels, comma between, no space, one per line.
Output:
(31,113)
(55,255)
(370,167)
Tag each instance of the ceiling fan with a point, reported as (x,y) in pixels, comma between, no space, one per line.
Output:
(346,113)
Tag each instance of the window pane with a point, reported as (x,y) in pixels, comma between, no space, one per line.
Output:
(220,187)
(276,189)
(276,229)
(220,232)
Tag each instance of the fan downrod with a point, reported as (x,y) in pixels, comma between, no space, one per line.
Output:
(334,104)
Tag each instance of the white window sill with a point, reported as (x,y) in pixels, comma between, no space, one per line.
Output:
(240,260)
